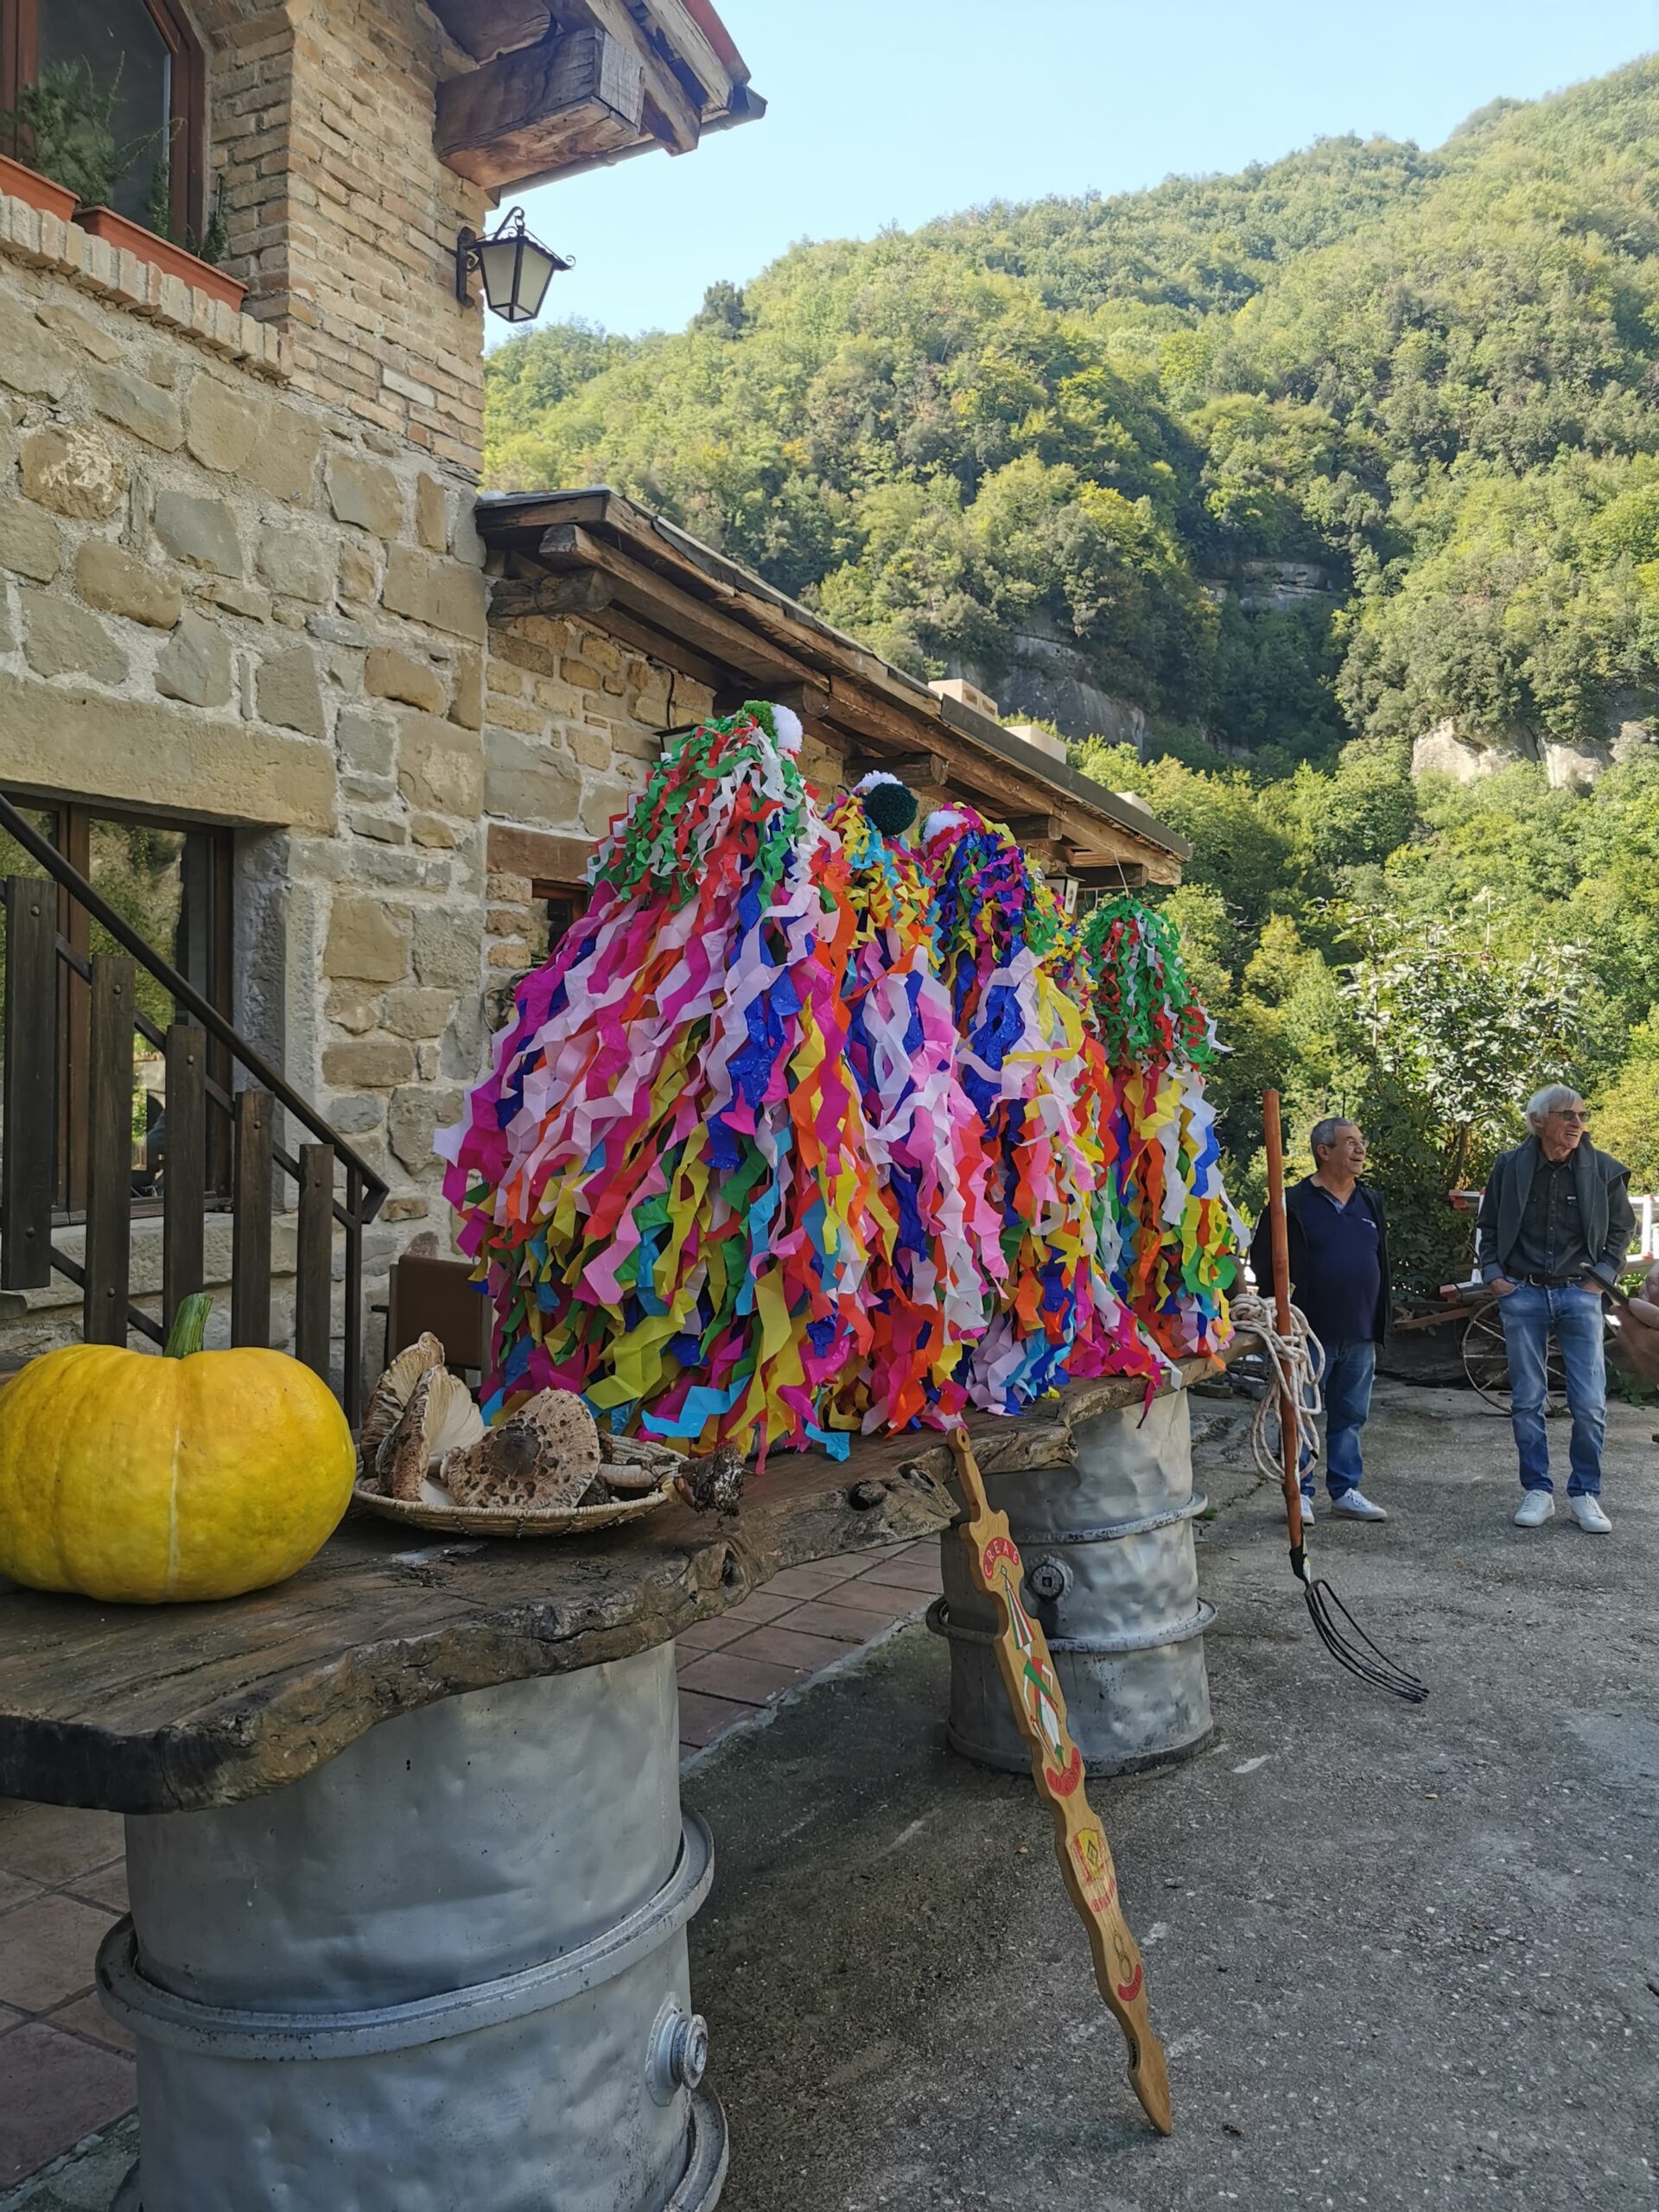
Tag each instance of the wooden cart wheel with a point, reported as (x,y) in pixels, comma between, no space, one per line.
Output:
(1487,1362)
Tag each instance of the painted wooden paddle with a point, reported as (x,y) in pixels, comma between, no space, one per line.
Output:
(1080,1842)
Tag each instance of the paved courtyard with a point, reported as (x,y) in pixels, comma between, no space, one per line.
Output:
(1400,1959)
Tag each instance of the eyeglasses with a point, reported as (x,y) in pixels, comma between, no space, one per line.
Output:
(1566,1114)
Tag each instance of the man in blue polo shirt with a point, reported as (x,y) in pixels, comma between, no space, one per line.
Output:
(1339,1244)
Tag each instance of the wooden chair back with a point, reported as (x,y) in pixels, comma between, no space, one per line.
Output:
(439,1294)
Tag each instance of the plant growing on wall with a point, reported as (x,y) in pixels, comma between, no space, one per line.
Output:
(158,215)
(64,126)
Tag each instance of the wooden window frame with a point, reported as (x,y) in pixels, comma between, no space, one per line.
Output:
(20,62)
(564,904)
(71,835)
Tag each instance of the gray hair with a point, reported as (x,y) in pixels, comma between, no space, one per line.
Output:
(1550,1099)
(1324,1133)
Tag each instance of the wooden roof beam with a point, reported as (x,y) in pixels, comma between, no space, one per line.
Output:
(540,107)
(921,771)
(487,27)
(585,593)
(670,114)
(753,659)
(671,652)
(1102,868)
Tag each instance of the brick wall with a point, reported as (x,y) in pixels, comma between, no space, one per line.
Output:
(342,221)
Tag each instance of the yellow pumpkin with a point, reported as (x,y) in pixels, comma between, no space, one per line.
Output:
(140,1480)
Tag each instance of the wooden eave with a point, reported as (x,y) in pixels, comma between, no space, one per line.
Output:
(565,86)
(597,556)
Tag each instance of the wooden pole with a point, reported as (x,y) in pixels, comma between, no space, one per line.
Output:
(1273,1140)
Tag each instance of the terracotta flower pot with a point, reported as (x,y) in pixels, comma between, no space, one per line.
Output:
(24,183)
(133,237)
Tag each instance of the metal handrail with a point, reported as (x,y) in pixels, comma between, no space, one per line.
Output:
(185,994)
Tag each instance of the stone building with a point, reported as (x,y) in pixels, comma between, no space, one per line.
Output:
(338,735)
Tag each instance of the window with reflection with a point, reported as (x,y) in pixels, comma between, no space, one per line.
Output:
(145,53)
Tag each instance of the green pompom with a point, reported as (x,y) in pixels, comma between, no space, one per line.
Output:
(891,808)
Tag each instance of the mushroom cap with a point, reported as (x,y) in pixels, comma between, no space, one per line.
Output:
(439,1419)
(544,1454)
(389,1400)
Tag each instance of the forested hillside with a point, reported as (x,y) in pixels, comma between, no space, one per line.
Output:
(1347,453)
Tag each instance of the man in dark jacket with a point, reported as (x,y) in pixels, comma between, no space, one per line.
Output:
(1554,1226)
(1338,1243)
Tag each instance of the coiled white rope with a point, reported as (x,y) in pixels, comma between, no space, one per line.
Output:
(1298,1365)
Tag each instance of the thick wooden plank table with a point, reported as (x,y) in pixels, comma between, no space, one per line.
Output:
(409,1872)
(163,1709)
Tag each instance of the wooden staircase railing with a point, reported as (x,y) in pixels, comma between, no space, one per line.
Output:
(335,1189)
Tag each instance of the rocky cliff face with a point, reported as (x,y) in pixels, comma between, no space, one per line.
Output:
(1455,749)
(1047,679)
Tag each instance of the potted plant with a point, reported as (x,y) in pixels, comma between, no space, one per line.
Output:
(24,183)
(67,121)
(193,261)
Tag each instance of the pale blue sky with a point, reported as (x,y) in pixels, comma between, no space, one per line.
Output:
(894,110)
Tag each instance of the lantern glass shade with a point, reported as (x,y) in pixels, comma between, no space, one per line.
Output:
(517,272)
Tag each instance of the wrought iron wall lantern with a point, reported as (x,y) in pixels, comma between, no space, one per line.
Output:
(517,269)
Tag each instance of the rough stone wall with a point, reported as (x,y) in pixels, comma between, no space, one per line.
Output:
(240,582)
(573,721)
(342,219)
(220,598)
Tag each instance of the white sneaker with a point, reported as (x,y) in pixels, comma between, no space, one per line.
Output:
(1536,1507)
(1587,1512)
(1358,1507)
(1307,1510)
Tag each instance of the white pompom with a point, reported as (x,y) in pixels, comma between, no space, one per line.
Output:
(877,775)
(946,818)
(790,731)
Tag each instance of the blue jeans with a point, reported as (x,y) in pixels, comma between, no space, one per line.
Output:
(1350,1368)
(1528,1314)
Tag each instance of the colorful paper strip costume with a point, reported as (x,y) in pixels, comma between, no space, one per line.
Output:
(1175,1231)
(1025,1065)
(928,1293)
(795,1133)
(667,1172)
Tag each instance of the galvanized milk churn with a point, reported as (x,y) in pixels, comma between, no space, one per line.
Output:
(1106,1535)
(465,1987)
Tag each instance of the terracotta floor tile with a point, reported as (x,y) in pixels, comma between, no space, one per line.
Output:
(47,1949)
(703,1718)
(789,1647)
(107,1886)
(756,1609)
(86,2017)
(913,1573)
(848,1624)
(885,1600)
(54,1843)
(814,1616)
(812,1580)
(751,1681)
(54,2089)
(712,1636)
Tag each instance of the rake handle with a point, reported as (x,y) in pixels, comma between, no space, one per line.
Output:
(1279,1236)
